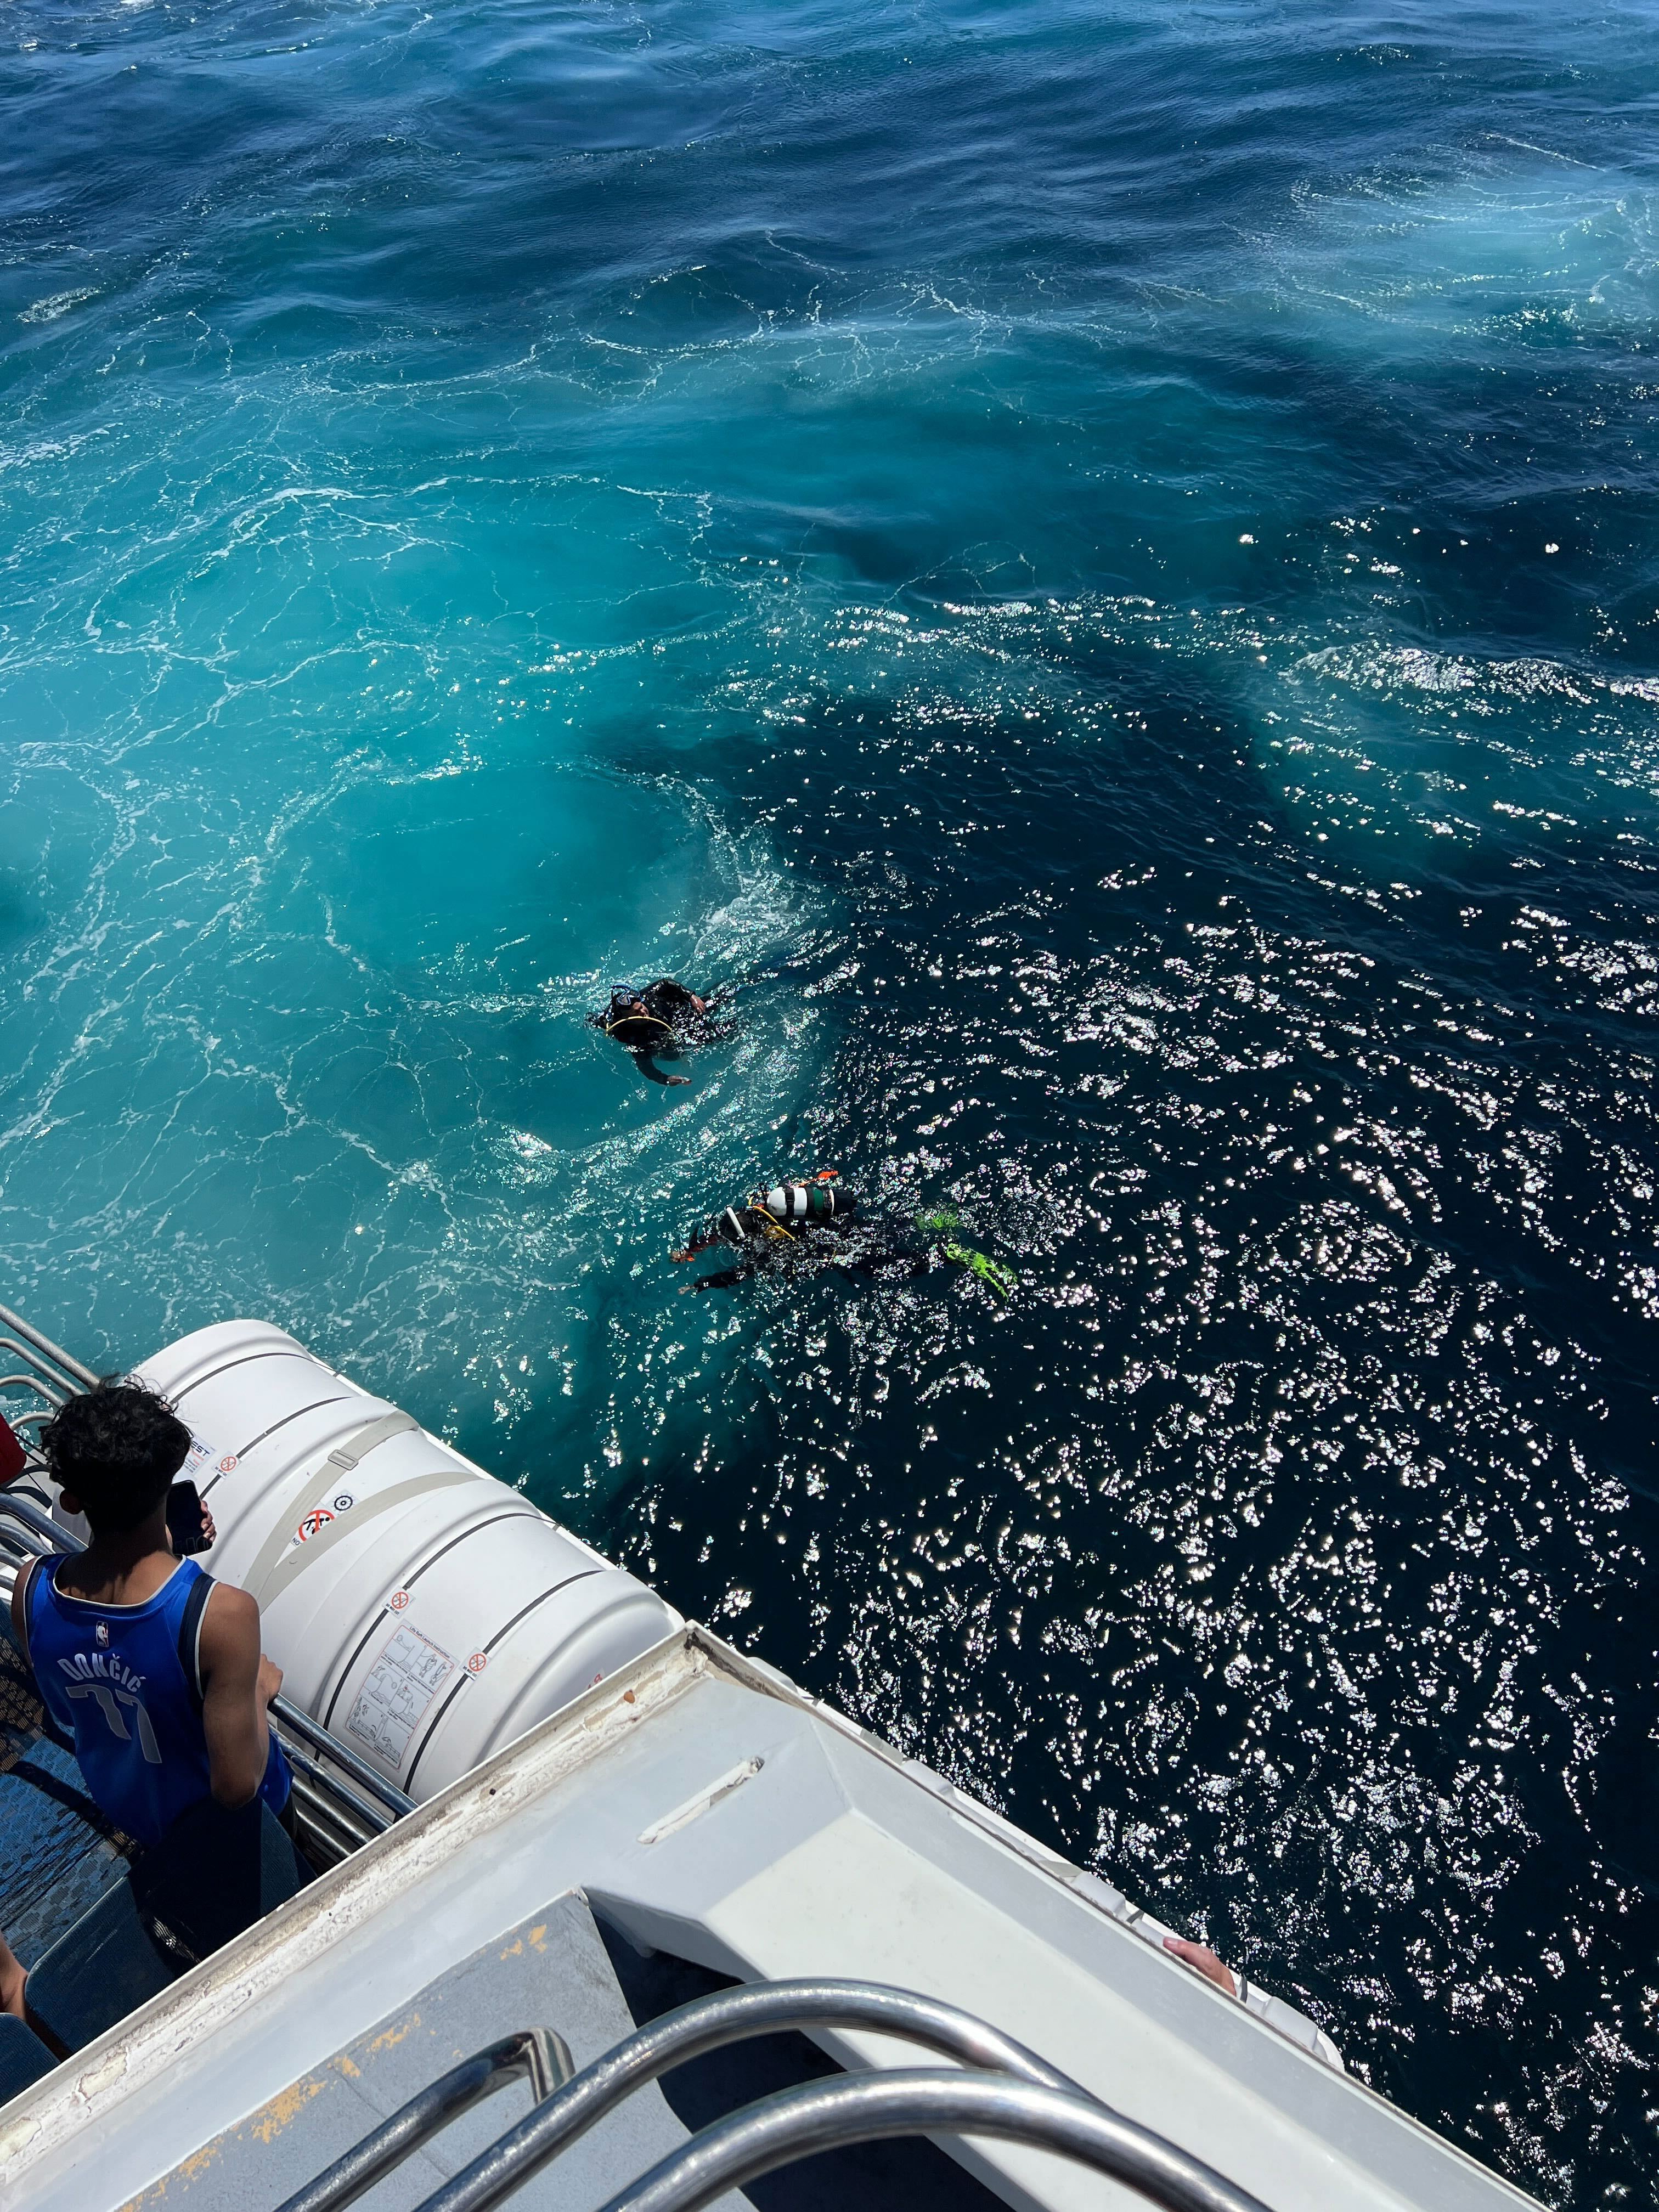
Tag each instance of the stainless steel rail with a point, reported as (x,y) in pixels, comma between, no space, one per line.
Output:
(42,1347)
(356,1819)
(26,1539)
(48,1374)
(324,1820)
(48,1392)
(47,1534)
(537,2052)
(293,1722)
(798,2123)
(732,2017)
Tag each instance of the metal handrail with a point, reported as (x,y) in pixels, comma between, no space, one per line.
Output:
(324,1819)
(732,2017)
(301,1724)
(344,1806)
(536,2052)
(37,1383)
(50,1376)
(824,2115)
(13,1508)
(34,1342)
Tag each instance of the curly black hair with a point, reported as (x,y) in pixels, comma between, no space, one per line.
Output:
(116,1450)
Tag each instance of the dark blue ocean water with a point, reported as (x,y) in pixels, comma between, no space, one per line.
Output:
(1100,563)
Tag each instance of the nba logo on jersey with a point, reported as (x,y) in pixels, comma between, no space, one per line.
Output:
(101,1631)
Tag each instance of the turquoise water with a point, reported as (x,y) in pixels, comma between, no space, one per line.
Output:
(1096,564)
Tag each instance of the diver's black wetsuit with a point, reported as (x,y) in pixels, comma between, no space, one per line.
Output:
(811,1224)
(663,1020)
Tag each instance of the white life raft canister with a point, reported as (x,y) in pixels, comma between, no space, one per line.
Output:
(419,1609)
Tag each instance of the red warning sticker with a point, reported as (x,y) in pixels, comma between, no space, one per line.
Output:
(398,1601)
(318,1518)
(477,1663)
(228,1464)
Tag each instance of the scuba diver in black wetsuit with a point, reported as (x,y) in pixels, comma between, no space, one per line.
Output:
(796,1221)
(664,1018)
(792,1221)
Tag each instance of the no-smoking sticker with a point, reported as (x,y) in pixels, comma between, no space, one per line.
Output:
(398,1601)
(477,1663)
(228,1464)
(317,1519)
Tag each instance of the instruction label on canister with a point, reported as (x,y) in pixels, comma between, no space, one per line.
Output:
(408,1672)
(202,1461)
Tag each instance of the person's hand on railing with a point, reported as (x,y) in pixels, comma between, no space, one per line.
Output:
(270,1683)
(1204,1960)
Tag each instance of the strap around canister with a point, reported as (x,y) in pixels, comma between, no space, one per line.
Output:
(345,1455)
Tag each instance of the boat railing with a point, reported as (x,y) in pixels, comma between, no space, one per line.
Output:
(798,2123)
(535,2053)
(996,2088)
(46,1375)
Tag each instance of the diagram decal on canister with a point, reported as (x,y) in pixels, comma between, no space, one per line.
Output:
(408,1671)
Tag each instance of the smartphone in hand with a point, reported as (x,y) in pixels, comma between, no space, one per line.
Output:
(184,1520)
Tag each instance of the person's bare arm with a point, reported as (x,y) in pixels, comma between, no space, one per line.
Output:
(697,1244)
(238,1684)
(1203,1961)
(647,1066)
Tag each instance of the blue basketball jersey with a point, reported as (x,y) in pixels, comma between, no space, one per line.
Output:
(123,1681)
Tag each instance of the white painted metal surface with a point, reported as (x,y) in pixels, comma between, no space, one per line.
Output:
(419,1609)
(706,1805)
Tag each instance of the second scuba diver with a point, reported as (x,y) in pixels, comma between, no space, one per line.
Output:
(661,1021)
(813,1220)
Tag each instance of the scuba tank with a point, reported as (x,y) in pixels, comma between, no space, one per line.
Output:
(797,1202)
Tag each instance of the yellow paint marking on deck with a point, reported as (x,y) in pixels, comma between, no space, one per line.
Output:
(392,2037)
(188,2169)
(192,2168)
(286,2105)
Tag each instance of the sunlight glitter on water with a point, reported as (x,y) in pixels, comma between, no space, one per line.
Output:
(1122,626)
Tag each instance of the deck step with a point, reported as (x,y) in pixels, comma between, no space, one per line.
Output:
(551,1971)
(199,1888)
(23,2057)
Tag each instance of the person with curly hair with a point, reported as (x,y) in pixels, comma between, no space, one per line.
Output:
(153,1668)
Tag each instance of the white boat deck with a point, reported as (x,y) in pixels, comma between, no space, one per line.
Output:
(706,1807)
